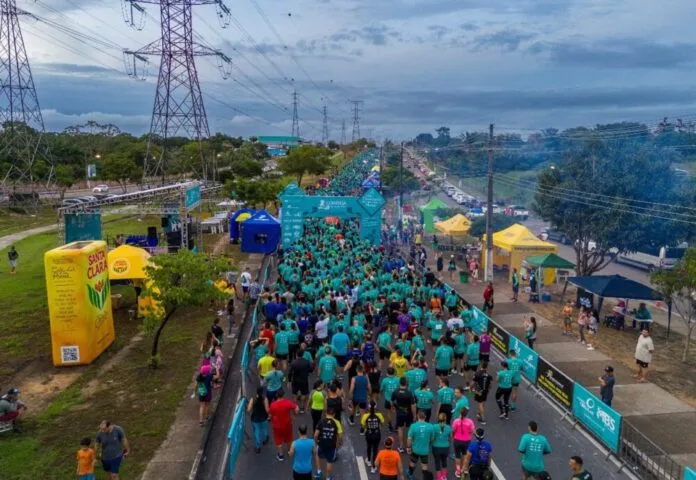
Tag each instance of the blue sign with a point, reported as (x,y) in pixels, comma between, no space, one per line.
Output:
(530,359)
(193,196)
(480,321)
(82,227)
(689,474)
(600,419)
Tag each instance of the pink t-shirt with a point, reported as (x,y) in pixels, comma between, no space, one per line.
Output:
(463,429)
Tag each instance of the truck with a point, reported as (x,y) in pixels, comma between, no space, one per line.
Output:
(651,259)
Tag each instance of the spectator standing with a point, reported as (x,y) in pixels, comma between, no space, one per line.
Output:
(440,265)
(488,294)
(113,447)
(643,316)
(451,267)
(606,382)
(245,280)
(204,391)
(515,284)
(85,460)
(533,446)
(567,313)
(643,355)
(12,257)
(230,316)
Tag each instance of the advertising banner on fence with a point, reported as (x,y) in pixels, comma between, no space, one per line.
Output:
(555,383)
(480,322)
(530,359)
(499,337)
(689,474)
(600,419)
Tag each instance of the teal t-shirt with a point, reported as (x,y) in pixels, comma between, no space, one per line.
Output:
(327,369)
(388,386)
(405,346)
(445,396)
(274,380)
(282,343)
(460,344)
(533,447)
(384,340)
(472,353)
(415,377)
(451,300)
(418,343)
(443,357)
(441,435)
(308,356)
(461,403)
(424,399)
(421,435)
(437,328)
(505,378)
(515,366)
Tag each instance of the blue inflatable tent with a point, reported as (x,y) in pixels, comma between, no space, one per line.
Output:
(234,225)
(260,233)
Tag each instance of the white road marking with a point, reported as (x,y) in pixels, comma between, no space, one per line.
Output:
(496,471)
(362,470)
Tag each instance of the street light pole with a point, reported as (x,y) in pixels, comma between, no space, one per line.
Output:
(401,187)
(488,273)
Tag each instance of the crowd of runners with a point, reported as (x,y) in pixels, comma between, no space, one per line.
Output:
(351,335)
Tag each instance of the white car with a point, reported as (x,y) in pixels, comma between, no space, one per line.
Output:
(101,189)
(519,211)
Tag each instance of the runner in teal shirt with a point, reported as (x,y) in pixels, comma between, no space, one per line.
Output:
(443,359)
(420,440)
(533,447)
(515,365)
(327,368)
(442,434)
(462,402)
(424,399)
(415,377)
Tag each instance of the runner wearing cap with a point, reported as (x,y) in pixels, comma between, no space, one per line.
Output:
(479,457)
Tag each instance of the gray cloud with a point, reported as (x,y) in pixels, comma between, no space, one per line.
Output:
(371,35)
(72,68)
(618,53)
(507,40)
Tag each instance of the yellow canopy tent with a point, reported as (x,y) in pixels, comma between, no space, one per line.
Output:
(513,245)
(128,263)
(457,225)
(375,168)
(243,217)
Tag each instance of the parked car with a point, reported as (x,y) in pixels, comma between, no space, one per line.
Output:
(87,198)
(550,234)
(101,189)
(71,202)
(651,259)
(474,213)
(519,211)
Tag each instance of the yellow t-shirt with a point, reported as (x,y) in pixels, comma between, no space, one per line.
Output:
(400,364)
(318,400)
(265,365)
(365,415)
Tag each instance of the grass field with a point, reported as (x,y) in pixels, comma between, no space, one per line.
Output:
(13,222)
(66,404)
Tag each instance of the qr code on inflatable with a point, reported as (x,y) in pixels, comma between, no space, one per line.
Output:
(70,354)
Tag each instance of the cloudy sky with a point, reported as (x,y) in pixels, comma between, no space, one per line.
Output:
(416,64)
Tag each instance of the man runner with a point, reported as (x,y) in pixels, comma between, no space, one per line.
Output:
(481,385)
(328,438)
(420,439)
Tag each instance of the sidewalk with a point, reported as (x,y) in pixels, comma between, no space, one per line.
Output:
(8,240)
(663,418)
(176,456)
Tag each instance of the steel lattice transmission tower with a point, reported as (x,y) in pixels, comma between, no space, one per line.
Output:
(178,108)
(343,132)
(22,142)
(295,116)
(356,119)
(325,128)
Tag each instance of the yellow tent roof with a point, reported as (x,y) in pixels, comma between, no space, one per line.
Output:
(127,263)
(375,168)
(457,225)
(243,217)
(519,236)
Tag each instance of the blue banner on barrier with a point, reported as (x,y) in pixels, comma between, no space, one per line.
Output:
(245,357)
(689,474)
(480,322)
(236,435)
(597,417)
(530,359)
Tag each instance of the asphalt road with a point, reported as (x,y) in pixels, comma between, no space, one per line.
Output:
(504,436)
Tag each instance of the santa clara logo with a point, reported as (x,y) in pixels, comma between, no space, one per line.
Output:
(120,266)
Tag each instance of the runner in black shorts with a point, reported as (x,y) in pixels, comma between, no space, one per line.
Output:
(405,404)
(481,385)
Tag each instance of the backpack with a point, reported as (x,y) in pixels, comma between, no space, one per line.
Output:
(201,389)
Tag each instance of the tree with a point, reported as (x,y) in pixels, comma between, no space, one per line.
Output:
(425,139)
(120,167)
(500,222)
(678,285)
(598,195)
(65,178)
(246,168)
(180,280)
(306,159)
(333,145)
(391,180)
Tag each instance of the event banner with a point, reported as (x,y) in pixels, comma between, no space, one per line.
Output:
(555,383)
(480,322)
(530,359)
(499,337)
(79,302)
(689,474)
(597,417)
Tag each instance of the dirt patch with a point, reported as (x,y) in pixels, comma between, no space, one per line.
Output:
(93,385)
(40,382)
(667,370)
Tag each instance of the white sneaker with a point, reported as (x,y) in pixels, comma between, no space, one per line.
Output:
(590,347)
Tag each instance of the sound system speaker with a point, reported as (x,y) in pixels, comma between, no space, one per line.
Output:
(165,222)
(151,231)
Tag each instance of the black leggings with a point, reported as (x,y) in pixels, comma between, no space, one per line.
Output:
(440,454)
(502,397)
(372,447)
(316,416)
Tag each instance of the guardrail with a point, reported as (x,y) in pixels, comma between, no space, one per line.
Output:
(235,437)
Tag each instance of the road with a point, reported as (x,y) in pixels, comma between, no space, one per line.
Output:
(504,436)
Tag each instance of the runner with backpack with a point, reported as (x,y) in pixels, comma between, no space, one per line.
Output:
(371,422)
(478,458)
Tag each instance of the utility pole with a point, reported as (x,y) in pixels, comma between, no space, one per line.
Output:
(356,119)
(343,133)
(23,144)
(325,129)
(401,187)
(178,108)
(295,116)
(381,157)
(488,274)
